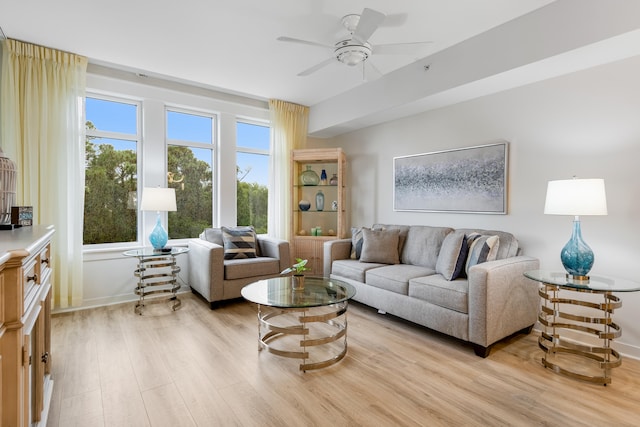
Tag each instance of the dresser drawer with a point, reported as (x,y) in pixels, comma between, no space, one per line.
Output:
(31,280)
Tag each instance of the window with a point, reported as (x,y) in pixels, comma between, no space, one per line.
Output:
(252,160)
(190,148)
(111,170)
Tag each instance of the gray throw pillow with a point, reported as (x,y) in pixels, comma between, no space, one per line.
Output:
(453,255)
(380,246)
(239,242)
(481,249)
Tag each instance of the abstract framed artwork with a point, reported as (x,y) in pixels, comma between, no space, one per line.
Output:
(465,180)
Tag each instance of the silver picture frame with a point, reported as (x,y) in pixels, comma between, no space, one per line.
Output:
(463,180)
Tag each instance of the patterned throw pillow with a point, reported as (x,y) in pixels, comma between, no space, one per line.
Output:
(453,256)
(356,242)
(239,242)
(481,249)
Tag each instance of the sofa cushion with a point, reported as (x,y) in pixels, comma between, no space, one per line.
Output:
(356,242)
(352,269)
(450,294)
(508,243)
(239,242)
(423,245)
(453,256)
(482,248)
(250,267)
(213,235)
(380,246)
(395,278)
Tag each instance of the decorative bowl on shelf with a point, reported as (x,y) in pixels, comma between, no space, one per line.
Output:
(304,205)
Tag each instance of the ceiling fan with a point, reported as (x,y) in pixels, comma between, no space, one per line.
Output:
(355,49)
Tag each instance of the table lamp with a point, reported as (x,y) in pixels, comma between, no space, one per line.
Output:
(159,200)
(576,197)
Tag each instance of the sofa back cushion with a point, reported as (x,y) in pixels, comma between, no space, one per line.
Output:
(508,246)
(422,245)
(213,235)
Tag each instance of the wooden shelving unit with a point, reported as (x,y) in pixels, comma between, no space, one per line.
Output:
(331,221)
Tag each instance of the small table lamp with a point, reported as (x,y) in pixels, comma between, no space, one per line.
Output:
(159,200)
(576,197)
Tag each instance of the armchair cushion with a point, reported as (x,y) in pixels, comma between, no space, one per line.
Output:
(239,242)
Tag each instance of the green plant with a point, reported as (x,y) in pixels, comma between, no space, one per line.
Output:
(298,267)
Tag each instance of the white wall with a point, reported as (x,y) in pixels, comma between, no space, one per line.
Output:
(585,124)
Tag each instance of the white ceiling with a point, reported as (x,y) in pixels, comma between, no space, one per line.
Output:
(478,47)
(231,45)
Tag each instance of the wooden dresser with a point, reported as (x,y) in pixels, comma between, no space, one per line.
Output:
(25,325)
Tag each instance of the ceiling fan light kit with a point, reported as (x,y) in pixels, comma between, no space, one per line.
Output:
(352,54)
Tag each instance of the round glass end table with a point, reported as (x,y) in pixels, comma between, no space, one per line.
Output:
(157,275)
(563,308)
(308,324)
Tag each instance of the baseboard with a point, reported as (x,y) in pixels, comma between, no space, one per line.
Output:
(106,301)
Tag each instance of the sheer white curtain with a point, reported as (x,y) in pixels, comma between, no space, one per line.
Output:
(41,108)
(289,124)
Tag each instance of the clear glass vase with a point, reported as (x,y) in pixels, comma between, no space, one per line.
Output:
(309,177)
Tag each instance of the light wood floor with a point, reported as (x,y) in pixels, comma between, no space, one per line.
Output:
(196,367)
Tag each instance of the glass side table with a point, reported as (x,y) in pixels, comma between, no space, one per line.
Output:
(157,275)
(568,311)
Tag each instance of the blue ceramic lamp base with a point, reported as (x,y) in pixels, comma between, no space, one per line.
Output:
(158,236)
(577,257)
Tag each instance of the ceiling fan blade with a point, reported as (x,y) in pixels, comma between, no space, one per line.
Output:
(307,42)
(398,48)
(369,21)
(317,67)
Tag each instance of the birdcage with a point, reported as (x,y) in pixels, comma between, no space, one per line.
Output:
(7,187)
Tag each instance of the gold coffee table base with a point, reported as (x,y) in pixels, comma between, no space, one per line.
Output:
(560,354)
(317,335)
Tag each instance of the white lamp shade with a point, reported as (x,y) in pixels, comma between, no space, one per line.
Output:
(576,197)
(158,199)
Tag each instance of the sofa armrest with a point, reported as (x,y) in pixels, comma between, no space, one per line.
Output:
(334,250)
(206,268)
(502,300)
(275,248)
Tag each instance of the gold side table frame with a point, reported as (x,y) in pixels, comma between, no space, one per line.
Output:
(271,331)
(553,315)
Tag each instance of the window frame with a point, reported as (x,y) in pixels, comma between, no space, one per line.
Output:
(248,150)
(213,146)
(88,247)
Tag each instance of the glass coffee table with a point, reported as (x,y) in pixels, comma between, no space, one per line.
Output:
(308,324)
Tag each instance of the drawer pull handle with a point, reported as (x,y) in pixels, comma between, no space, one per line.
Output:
(45,357)
(45,261)
(34,278)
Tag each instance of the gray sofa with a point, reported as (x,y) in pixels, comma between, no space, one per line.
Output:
(217,279)
(493,301)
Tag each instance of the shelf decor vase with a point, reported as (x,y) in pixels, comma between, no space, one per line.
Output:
(334,180)
(309,177)
(319,200)
(297,282)
(323,177)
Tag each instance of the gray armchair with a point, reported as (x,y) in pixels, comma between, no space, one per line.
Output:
(217,279)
